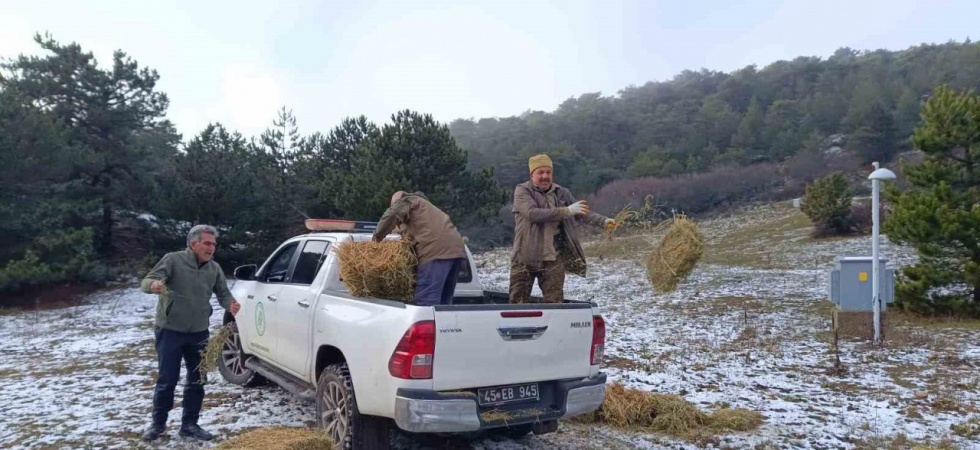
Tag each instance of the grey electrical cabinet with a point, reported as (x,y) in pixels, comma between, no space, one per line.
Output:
(850,283)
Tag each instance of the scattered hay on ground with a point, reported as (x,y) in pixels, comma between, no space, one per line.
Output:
(495,415)
(212,351)
(736,419)
(637,409)
(675,256)
(378,269)
(279,438)
(506,416)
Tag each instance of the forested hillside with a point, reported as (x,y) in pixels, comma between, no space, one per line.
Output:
(702,120)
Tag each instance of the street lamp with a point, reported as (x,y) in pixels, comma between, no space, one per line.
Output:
(876,177)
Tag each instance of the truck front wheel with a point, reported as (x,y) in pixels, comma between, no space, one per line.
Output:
(338,417)
(231,362)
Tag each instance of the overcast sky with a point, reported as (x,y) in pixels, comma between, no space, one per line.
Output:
(238,62)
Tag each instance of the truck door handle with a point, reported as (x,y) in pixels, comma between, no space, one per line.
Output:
(303,304)
(272,298)
(521,333)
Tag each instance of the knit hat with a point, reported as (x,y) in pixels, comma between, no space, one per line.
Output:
(541,160)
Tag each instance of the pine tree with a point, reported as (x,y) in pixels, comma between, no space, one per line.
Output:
(939,215)
(43,234)
(827,203)
(749,132)
(874,139)
(115,119)
(415,153)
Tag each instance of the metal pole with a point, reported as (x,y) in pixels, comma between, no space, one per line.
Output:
(875,188)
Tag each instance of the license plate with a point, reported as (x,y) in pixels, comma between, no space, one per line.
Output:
(508,394)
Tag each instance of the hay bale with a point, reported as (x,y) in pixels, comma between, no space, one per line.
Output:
(675,256)
(279,438)
(636,409)
(383,269)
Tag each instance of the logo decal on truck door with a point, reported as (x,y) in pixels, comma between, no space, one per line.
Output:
(259,318)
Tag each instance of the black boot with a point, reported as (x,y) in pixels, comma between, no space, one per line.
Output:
(153,432)
(196,432)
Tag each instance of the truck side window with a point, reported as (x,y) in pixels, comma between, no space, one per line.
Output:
(280,265)
(310,260)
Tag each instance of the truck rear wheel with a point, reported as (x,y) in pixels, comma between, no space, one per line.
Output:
(231,362)
(338,417)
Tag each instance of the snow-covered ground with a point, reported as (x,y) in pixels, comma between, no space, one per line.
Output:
(748,329)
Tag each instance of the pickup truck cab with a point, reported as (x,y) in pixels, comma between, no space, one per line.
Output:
(367,363)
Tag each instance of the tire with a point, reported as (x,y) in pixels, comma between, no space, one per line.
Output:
(231,362)
(513,432)
(338,417)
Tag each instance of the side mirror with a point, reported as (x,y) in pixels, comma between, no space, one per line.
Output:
(246,272)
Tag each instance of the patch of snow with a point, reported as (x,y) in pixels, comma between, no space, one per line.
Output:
(735,336)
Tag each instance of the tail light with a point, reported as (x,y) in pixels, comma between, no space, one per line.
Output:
(412,358)
(598,340)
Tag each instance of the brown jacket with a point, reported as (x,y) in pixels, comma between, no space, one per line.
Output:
(433,235)
(531,214)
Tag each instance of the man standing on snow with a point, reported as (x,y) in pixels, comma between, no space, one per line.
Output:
(546,242)
(438,245)
(184,281)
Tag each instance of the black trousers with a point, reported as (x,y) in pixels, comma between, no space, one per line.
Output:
(172,347)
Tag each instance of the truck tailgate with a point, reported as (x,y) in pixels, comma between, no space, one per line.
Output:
(488,345)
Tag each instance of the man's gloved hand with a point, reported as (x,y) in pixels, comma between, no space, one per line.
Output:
(611,224)
(578,208)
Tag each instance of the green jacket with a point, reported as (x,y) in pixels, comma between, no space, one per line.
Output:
(186,304)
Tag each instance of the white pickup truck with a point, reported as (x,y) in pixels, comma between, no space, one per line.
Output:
(479,363)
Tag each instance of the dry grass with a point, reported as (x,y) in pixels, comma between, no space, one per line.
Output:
(495,415)
(736,419)
(903,318)
(636,409)
(378,269)
(674,258)
(278,438)
(212,351)
(902,442)
(506,416)
(969,429)
(631,245)
(752,244)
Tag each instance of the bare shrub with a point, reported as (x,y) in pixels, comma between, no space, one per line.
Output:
(692,193)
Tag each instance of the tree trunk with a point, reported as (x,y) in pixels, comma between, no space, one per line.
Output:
(105,234)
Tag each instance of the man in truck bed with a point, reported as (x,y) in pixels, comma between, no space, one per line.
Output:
(437,244)
(546,243)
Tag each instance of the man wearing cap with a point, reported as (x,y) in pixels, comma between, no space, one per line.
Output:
(546,242)
(438,245)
